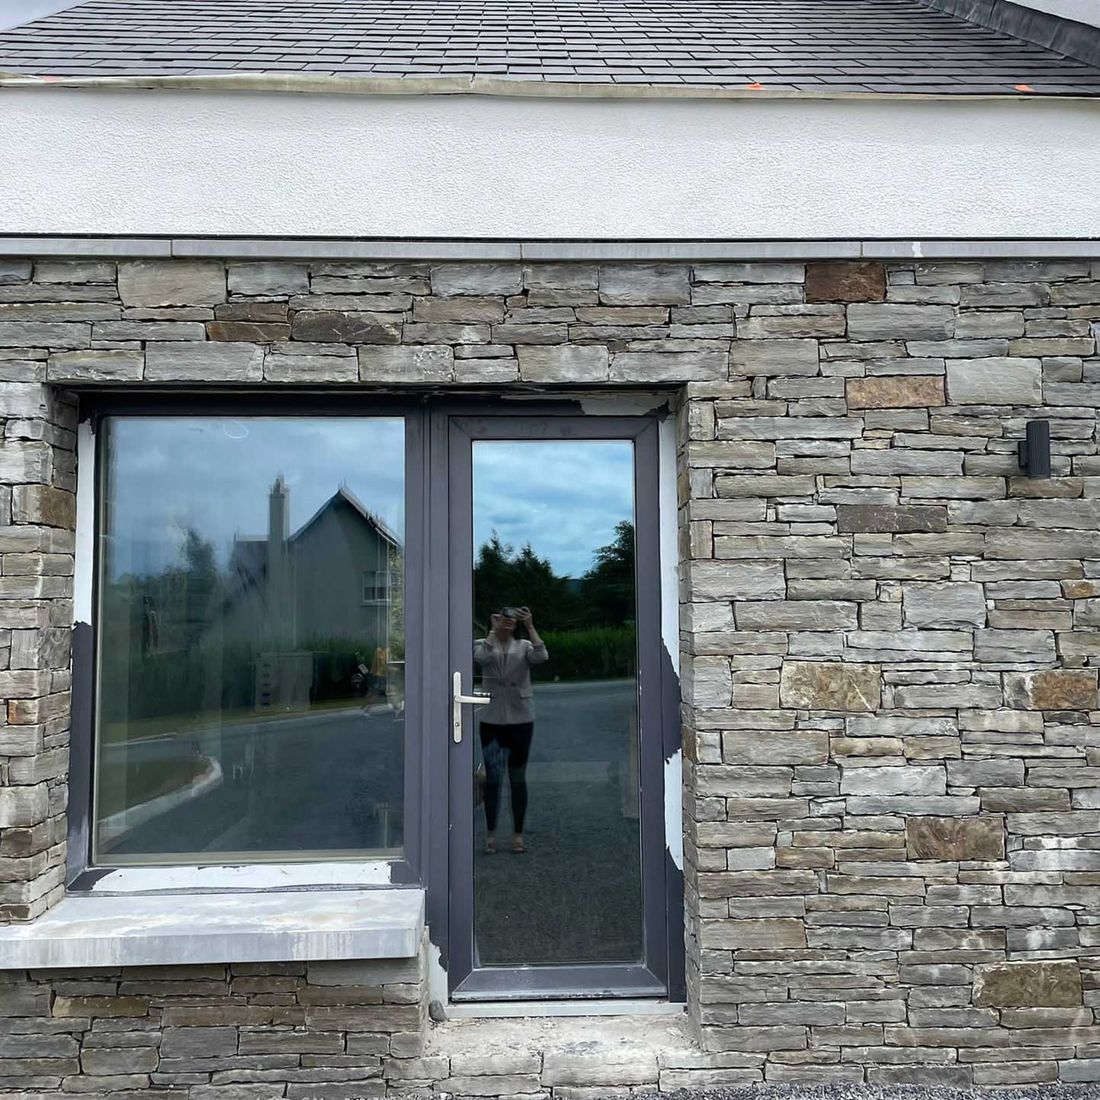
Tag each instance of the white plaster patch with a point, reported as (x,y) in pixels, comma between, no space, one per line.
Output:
(254,876)
(674,808)
(437,975)
(85,524)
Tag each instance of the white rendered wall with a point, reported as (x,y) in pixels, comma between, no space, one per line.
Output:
(77,161)
(1083,11)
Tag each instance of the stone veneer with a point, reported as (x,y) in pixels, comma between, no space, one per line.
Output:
(890,649)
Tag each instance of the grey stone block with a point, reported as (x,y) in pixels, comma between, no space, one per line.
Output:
(268,279)
(910,780)
(14,271)
(198,1042)
(55,335)
(96,366)
(194,362)
(693,366)
(563,364)
(171,283)
(729,580)
(106,1061)
(887,321)
(995,381)
(1014,647)
(410,365)
(944,604)
(635,284)
(449,280)
(752,358)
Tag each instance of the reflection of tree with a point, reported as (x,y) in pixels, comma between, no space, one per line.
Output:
(587,622)
(504,576)
(153,626)
(608,587)
(604,596)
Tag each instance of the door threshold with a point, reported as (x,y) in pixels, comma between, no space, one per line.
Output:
(477,1010)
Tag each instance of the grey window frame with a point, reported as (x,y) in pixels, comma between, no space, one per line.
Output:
(96,408)
(660,974)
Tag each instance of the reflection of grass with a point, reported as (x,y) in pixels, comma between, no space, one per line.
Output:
(164,725)
(123,788)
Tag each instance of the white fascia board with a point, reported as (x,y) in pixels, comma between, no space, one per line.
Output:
(197,163)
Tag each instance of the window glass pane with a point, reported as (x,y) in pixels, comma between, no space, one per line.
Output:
(557,864)
(251,648)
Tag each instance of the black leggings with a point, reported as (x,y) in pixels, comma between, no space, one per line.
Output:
(506,747)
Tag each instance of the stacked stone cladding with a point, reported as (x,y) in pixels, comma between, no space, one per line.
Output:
(250,1031)
(890,636)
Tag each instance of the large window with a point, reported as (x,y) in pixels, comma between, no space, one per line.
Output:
(250,689)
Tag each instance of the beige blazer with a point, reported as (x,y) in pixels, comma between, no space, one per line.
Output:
(506,676)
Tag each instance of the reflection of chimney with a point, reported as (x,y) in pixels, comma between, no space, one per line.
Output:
(278,566)
(278,516)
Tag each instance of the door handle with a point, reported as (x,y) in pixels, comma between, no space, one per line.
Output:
(457,699)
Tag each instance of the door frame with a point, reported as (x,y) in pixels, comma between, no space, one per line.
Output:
(450,552)
(427,771)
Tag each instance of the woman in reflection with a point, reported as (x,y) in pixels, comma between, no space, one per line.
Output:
(508,719)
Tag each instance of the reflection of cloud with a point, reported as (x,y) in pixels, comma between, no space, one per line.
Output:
(563,497)
(168,474)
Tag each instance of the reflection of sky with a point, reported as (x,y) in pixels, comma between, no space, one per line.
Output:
(215,473)
(563,497)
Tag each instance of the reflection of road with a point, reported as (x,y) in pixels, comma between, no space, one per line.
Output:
(575,896)
(326,781)
(331,781)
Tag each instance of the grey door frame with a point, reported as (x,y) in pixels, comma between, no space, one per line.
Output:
(453,433)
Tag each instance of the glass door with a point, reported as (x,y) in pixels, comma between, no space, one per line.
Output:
(557,851)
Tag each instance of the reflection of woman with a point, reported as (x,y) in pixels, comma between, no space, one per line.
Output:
(508,720)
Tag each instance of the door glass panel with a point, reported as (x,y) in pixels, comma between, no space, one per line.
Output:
(250,691)
(557,749)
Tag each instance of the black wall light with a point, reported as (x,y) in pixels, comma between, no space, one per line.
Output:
(1034,449)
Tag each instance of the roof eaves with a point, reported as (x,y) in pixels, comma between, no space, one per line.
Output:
(516,87)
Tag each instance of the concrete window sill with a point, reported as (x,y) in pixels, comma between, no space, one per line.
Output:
(178,929)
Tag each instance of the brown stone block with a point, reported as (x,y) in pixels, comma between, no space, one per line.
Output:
(955,838)
(864,518)
(254,332)
(765,933)
(339,327)
(45,505)
(837,281)
(257,312)
(896,391)
(1052,689)
(101,1006)
(830,685)
(1028,984)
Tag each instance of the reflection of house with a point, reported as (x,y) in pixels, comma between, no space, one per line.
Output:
(332,578)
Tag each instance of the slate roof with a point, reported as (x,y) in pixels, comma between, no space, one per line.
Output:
(790,45)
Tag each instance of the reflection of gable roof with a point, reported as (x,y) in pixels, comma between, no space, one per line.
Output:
(344,495)
(248,560)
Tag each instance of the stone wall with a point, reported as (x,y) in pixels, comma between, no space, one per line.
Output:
(890,638)
(255,1031)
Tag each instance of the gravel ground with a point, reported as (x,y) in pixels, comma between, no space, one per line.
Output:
(897,1092)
